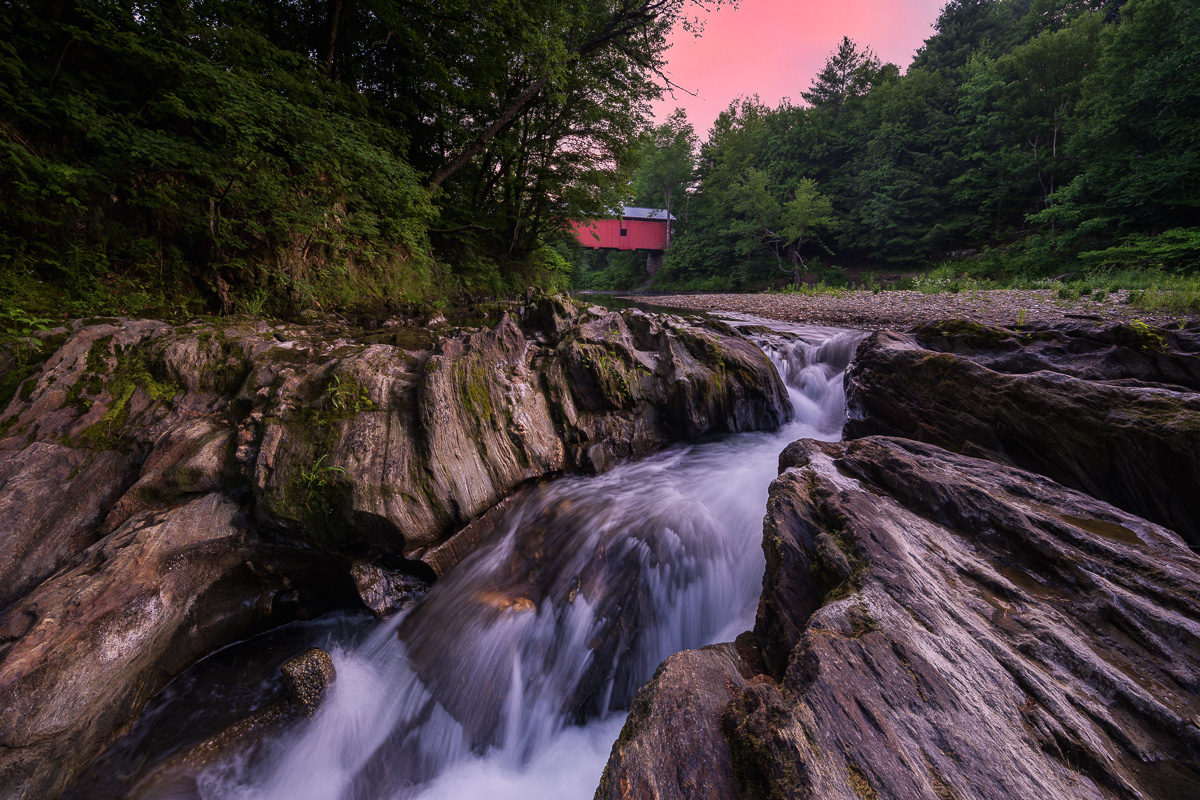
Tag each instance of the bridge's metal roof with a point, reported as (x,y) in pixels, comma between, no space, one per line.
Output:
(637,212)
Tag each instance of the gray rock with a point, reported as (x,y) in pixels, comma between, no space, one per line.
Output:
(52,501)
(1115,413)
(674,724)
(307,677)
(386,591)
(998,636)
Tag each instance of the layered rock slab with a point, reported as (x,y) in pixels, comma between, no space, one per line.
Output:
(83,651)
(375,442)
(1113,412)
(934,625)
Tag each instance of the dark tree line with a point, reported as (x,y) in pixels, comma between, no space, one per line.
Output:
(1032,134)
(326,151)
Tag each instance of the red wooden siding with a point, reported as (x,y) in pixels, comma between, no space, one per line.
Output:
(640,234)
(646,234)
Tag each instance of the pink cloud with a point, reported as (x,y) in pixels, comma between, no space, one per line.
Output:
(775,47)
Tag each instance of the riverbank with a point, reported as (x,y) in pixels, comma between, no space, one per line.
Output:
(903,309)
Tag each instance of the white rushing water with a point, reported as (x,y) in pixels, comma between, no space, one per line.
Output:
(556,620)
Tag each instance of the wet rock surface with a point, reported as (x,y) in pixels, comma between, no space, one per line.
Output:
(306,678)
(674,724)
(387,591)
(997,635)
(169,489)
(88,647)
(1112,411)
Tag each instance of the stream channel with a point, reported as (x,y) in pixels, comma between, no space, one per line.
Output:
(507,679)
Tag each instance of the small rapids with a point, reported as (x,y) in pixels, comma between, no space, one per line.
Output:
(508,678)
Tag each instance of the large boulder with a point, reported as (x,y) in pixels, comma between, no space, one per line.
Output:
(672,745)
(304,681)
(934,625)
(1113,412)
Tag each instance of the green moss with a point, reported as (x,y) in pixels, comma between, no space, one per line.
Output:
(811,739)
(941,789)
(471,379)
(408,337)
(346,397)
(316,497)
(132,371)
(830,586)
(226,367)
(762,767)
(1140,336)
(861,621)
(610,371)
(961,328)
(858,781)
(19,360)
(97,356)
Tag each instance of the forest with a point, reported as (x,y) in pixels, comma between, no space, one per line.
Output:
(283,155)
(276,157)
(1027,139)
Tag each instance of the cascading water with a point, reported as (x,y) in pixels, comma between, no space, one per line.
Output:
(582,589)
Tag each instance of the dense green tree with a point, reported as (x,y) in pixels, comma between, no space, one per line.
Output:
(848,73)
(668,164)
(1137,135)
(314,149)
(1049,126)
(707,248)
(901,209)
(1018,109)
(802,218)
(965,28)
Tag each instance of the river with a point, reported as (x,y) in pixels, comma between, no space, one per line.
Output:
(508,679)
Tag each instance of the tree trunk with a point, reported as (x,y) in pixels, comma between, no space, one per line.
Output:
(500,124)
(335,18)
(667,194)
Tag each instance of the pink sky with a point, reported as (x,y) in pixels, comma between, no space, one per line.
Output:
(775,47)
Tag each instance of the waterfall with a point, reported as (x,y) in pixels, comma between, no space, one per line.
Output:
(508,678)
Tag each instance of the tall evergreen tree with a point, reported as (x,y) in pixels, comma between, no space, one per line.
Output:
(848,73)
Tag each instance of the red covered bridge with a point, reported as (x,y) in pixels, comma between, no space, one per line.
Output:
(634,229)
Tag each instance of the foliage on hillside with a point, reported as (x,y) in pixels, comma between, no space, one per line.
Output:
(239,155)
(1030,137)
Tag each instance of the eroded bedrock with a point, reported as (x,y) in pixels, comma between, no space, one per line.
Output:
(1112,411)
(936,626)
(166,490)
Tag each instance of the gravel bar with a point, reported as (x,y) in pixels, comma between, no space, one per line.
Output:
(903,309)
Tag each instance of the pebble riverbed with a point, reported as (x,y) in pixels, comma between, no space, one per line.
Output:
(903,309)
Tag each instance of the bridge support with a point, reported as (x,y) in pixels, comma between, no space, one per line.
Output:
(654,262)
